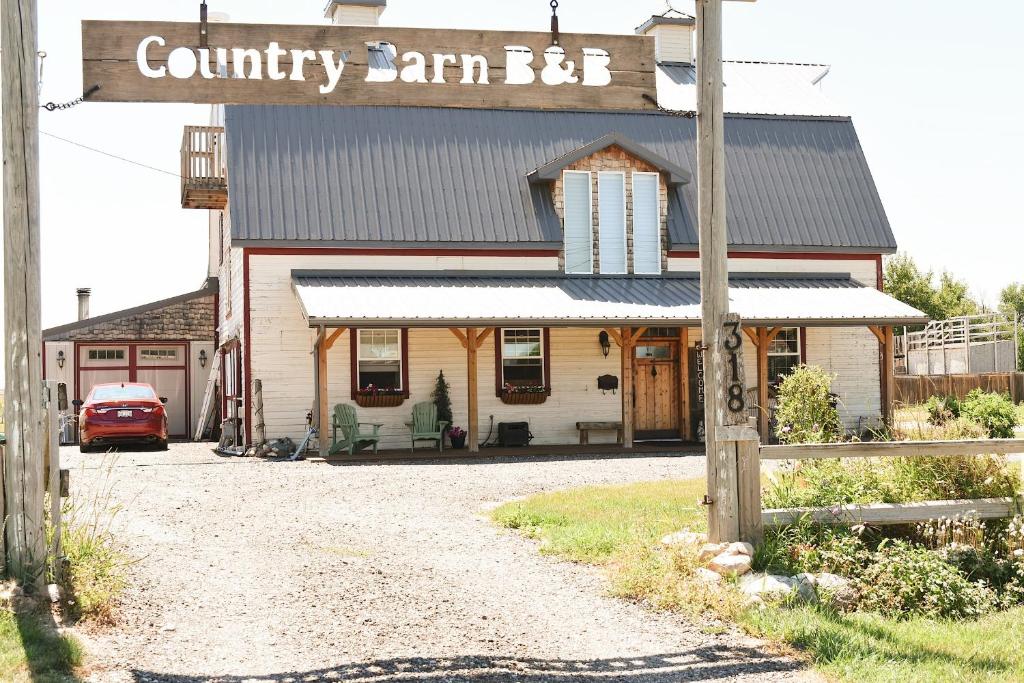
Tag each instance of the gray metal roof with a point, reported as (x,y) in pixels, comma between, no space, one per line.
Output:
(383,175)
(441,299)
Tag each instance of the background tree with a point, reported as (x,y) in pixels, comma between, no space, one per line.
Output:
(905,281)
(953,298)
(1011,302)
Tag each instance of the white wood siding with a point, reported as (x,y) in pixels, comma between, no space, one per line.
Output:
(863,271)
(56,373)
(282,345)
(851,354)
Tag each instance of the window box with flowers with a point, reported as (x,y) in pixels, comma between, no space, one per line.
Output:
(371,396)
(524,395)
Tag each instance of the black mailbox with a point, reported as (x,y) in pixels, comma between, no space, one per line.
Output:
(607,382)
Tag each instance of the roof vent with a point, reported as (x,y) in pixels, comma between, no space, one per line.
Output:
(355,12)
(673,36)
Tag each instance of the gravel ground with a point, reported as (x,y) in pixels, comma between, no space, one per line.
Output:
(260,571)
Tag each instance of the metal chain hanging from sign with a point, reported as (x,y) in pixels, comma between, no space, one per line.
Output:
(55,106)
(554,22)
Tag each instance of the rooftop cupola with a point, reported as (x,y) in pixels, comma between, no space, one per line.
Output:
(355,12)
(673,36)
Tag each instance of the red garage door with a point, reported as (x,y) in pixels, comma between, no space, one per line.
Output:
(162,365)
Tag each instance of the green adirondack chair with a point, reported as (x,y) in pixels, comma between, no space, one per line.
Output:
(352,436)
(425,425)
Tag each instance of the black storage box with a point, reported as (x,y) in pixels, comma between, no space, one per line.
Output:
(514,434)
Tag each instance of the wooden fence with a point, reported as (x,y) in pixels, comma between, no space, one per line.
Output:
(911,389)
(877,514)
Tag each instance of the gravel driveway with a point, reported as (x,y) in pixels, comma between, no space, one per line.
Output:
(259,571)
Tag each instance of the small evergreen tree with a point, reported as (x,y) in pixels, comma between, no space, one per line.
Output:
(442,400)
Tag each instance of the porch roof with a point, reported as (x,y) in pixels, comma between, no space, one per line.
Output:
(445,299)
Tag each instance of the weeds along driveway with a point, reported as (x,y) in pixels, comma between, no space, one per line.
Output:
(258,570)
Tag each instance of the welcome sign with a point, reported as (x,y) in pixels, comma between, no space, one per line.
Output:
(364,65)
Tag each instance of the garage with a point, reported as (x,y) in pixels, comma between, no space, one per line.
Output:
(169,344)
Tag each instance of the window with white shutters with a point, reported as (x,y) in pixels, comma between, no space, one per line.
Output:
(646,224)
(611,216)
(578,222)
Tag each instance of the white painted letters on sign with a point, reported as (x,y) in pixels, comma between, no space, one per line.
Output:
(414,67)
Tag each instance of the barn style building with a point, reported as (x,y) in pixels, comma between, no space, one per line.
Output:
(545,261)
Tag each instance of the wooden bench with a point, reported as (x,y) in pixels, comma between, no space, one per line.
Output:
(585,428)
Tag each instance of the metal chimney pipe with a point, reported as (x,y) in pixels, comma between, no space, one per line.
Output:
(83,302)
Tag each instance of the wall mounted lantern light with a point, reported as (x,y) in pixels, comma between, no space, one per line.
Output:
(606,343)
(202,358)
(60,359)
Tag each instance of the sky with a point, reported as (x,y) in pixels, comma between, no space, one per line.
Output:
(934,88)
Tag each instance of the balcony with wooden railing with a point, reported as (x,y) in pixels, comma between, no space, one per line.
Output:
(204,175)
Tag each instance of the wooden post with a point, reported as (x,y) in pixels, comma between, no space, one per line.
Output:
(764,423)
(684,381)
(322,398)
(25,528)
(889,380)
(53,477)
(626,347)
(472,394)
(748,458)
(714,267)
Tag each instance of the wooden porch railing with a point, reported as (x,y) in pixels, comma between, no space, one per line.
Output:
(883,514)
(204,175)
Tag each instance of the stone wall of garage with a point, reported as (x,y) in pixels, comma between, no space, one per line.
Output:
(184,321)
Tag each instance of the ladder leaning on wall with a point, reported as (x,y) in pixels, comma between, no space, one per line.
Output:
(206,412)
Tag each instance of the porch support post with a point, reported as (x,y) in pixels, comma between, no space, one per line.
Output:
(888,378)
(684,381)
(764,424)
(321,391)
(627,387)
(474,417)
(324,343)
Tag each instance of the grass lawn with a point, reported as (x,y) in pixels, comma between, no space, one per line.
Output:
(31,652)
(619,527)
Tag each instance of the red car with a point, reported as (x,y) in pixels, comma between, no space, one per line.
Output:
(122,413)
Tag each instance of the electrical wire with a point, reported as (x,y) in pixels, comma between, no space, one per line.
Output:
(108,154)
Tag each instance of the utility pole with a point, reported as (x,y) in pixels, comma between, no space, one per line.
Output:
(23,464)
(722,500)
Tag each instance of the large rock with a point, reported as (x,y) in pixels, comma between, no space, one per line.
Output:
(741,549)
(707,576)
(775,588)
(683,538)
(729,564)
(711,550)
(836,591)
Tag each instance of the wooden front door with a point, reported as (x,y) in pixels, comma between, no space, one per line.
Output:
(656,390)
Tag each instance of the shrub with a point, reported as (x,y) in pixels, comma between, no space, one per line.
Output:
(95,572)
(806,411)
(995,412)
(942,409)
(904,580)
(950,478)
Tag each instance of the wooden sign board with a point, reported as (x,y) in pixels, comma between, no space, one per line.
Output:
(734,384)
(135,61)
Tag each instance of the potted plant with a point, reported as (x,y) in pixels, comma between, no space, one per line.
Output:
(457,435)
(524,395)
(372,396)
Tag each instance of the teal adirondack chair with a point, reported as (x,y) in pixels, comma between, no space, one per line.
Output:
(352,436)
(425,425)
